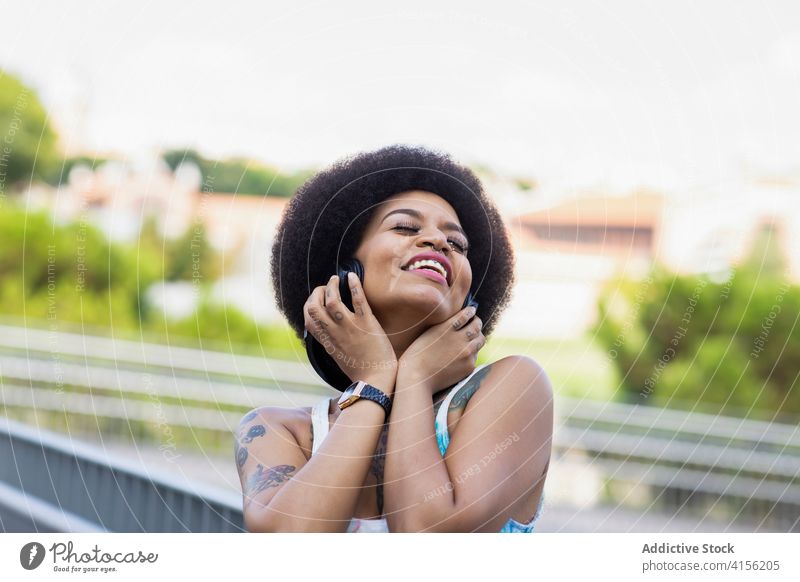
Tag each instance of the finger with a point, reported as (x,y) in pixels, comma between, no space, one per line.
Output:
(360,306)
(461,318)
(317,318)
(473,329)
(476,345)
(333,300)
(478,342)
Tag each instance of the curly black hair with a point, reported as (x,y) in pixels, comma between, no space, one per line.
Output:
(324,222)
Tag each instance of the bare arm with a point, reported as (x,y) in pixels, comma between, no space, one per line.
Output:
(497,454)
(285,493)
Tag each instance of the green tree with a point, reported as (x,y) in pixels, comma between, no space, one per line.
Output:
(191,257)
(59,174)
(28,143)
(69,272)
(733,346)
(238,175)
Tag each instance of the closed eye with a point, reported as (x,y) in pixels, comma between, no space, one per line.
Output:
(401,227)
(460,246)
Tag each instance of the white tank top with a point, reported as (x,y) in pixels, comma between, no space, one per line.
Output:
(320,426)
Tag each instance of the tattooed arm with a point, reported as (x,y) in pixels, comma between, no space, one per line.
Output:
(284,492)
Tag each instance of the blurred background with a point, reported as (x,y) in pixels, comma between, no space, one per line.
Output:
(643,155)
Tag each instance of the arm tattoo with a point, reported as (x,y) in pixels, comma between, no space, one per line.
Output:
(241,455)
(264,478)
(377,466)
(242,437)
(254,432)
(467,390)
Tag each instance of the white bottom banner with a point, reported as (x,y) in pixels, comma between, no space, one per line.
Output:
(333,557)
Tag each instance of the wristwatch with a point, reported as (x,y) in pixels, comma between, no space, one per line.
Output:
(360,389)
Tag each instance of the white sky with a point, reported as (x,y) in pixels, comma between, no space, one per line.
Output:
(665,94)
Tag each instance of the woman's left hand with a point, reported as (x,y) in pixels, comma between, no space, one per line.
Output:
(444,354)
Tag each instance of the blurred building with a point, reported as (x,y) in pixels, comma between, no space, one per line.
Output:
(567,251)
(118,196)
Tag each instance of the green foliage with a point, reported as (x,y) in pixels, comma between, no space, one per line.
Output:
(190,257)
(526,184)
(765,258)
(59,174)
(731,347)
(71,277)
(238,175)
(68,272)
(27,141)
(223,328)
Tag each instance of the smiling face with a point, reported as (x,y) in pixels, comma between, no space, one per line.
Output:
(400,228)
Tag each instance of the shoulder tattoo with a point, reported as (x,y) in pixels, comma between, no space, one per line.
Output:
(466,392)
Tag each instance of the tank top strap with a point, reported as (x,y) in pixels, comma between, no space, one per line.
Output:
(442,436)
(319,423)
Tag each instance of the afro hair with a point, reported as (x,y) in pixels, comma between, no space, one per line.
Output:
(323,223)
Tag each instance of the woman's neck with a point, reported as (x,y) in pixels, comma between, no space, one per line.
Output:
(399,334)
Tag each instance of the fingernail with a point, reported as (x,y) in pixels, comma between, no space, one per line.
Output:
(351,276)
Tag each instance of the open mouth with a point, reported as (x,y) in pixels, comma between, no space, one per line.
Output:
(430,265)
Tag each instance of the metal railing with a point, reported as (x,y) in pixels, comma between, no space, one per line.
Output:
(690,462)
(51,484)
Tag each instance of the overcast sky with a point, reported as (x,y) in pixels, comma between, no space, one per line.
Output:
(666,94)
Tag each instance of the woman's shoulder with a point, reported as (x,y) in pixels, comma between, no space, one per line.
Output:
(461,393)
(509,373)
(523,366)
(296,420)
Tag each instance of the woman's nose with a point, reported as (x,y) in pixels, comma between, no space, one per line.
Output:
(436,239)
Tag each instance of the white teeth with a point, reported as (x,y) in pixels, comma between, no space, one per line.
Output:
(429,263)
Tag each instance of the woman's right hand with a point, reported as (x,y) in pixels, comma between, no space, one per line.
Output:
(354,339)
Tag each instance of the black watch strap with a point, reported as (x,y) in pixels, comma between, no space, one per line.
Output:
(367,392)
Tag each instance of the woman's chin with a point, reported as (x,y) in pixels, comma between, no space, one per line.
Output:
(428,310)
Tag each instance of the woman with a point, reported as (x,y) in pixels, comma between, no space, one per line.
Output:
(441,446)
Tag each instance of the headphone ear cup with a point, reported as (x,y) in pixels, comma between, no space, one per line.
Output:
(325,366)
(355,266)
(469,300)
